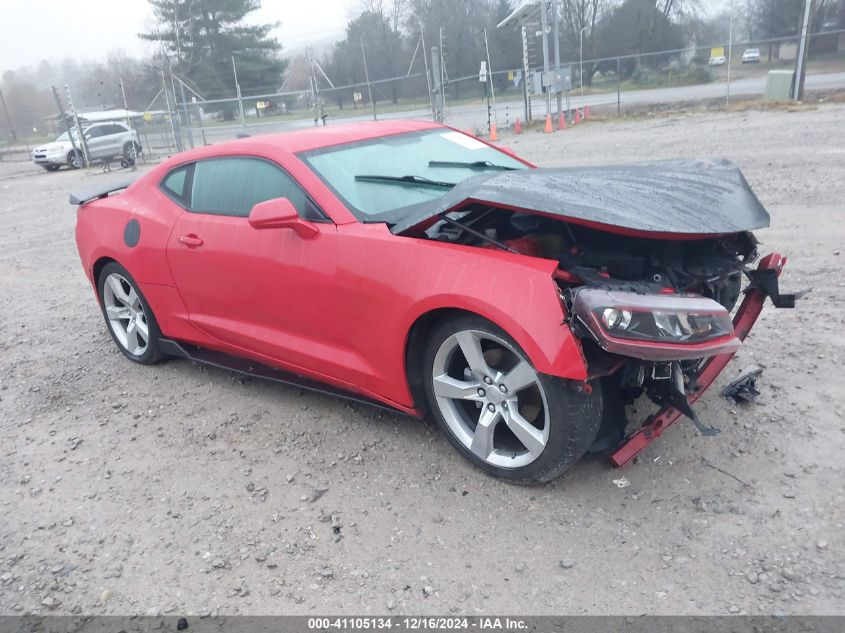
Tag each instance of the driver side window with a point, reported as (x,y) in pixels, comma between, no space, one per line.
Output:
(232,186)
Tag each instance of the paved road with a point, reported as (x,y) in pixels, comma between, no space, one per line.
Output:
(474,114)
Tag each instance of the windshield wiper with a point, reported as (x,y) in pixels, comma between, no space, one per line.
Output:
(410,180)
(477,164)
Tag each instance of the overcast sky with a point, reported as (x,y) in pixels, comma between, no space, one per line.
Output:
(32,30)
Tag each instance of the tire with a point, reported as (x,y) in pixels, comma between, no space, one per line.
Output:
(74,159)
(536,426)
(126,311)
(127,150)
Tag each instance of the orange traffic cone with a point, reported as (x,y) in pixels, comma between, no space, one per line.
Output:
(494,134)
(517,127)
(548,129)
(577,116)
(586,112)
(561,121)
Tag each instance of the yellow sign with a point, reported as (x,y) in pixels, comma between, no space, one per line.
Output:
(718,51)
(148,116)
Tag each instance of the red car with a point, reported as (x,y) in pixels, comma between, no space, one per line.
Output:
(416,267)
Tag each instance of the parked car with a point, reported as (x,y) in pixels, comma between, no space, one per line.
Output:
(105,141)
(413,266)
(751,56)
(718,60)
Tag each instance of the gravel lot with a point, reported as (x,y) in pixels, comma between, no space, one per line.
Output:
(181,489)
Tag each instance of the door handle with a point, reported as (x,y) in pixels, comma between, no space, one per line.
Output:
(191,240)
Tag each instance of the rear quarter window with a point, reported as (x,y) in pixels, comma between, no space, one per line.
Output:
(175,184)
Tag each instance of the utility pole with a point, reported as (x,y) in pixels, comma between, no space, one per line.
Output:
(801,62)
(128,124)
(427,75)
(367,77)
(556,27)
(63,117)
(490,78)
(86,160)
(238,90)
(544,25)
(526,69)
(176,139)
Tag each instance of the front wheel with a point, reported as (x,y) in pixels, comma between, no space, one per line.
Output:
(498,411)
(128,316)
(74,159)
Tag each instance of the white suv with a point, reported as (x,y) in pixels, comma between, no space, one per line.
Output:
(105,141)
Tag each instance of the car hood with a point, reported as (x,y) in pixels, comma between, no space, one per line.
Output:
(691,197)
(54,146)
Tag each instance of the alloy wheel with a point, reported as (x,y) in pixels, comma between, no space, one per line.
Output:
(125,314)
(491,398)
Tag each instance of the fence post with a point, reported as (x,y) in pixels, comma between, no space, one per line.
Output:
(525,69)
(367,77)
(618,86)
(438,85)
(238,90)
(128,123)
(177,141)
(185,114)
(8,120)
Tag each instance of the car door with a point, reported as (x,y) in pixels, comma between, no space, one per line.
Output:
(266,291)
(114,136)
(96,142)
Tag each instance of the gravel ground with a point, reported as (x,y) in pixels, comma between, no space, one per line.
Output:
(181,489)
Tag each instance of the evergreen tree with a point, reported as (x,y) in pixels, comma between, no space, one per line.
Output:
(200,37)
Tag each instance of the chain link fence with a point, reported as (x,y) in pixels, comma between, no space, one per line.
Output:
(695,73)
(178,118)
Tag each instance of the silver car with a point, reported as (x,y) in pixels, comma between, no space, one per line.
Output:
(751,56)
(105,141)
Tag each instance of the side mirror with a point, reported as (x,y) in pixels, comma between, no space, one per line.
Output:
(279,213)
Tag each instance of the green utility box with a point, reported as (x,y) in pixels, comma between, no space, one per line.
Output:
(778,85)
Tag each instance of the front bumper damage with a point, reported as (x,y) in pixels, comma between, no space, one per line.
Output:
(764,283)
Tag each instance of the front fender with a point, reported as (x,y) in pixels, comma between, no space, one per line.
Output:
(528,309)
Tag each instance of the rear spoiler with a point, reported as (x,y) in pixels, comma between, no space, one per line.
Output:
(78,199)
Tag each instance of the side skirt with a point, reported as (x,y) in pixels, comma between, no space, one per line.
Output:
(254,369)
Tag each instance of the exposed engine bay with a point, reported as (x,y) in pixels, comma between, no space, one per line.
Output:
(710,266)
(649,311)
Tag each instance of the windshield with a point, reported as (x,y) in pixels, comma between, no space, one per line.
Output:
(64,136)
(384,174)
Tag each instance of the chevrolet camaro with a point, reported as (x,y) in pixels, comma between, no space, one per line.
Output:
(419,268)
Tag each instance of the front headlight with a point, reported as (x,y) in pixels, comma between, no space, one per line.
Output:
(655,327)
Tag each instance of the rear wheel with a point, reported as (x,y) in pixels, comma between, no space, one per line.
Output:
(498,411)
(128,316)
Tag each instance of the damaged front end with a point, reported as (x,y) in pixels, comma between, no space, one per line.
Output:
(651,260)
(668,346)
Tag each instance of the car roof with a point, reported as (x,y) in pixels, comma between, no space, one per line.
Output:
(310,138)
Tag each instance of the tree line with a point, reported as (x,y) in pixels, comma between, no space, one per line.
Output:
(204,42)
